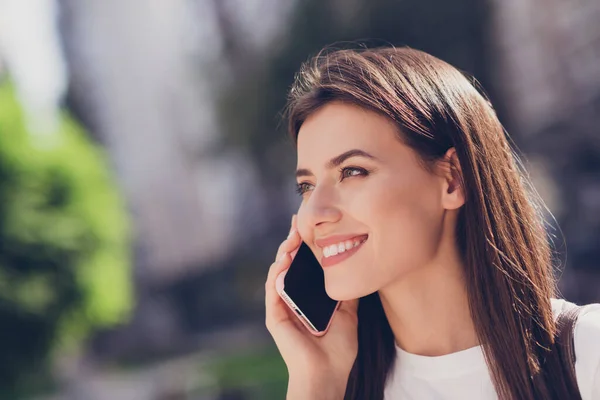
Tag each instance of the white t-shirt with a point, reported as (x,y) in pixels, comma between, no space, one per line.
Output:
(464,375)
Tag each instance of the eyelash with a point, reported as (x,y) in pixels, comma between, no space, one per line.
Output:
(301,187)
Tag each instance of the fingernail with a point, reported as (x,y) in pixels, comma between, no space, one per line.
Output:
(291,233)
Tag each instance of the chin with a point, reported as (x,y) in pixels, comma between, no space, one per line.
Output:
(342,292)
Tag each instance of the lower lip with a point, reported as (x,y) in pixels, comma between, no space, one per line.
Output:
(329,261)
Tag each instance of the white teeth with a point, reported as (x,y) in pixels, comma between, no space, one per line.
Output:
(341,247)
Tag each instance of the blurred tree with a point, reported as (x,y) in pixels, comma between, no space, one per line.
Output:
(257,84)
(64,245)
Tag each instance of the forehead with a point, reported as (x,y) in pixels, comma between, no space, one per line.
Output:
(338,127)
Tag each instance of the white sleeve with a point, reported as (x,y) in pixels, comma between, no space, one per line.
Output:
(587,351)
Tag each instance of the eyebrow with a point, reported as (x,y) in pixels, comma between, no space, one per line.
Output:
(337,161)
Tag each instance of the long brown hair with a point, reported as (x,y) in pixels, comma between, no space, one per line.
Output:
(500,230)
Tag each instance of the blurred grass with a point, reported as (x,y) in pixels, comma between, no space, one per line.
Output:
(260,374)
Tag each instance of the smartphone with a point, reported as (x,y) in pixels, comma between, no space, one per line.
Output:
(302,288)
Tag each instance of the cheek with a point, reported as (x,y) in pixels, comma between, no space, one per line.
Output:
(405,220)
(404,229)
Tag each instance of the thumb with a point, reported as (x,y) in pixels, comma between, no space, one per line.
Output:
(349,308)
(346,321)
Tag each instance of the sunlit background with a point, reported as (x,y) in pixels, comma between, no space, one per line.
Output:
(146,181)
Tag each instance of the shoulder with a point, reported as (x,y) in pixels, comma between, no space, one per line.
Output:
(587,347)
(587,330)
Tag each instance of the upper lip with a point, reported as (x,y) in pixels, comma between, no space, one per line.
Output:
(329,240)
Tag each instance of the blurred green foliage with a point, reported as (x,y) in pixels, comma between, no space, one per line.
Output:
(65,257)
(260,374)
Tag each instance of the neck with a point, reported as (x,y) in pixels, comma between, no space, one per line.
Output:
(428,309)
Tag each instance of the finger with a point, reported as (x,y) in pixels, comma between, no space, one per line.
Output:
(294,252)
(289,247)
(290,244)
(295,227)
(281,264)
(278,312)
(274,306)
(294,222)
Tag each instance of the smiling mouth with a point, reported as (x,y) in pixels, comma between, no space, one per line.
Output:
(343,246)
(334,254)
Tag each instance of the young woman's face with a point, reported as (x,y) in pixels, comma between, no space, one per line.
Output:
(370,212)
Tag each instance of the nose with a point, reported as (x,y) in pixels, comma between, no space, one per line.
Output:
(322,207)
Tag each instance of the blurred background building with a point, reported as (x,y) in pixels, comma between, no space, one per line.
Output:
(176,107)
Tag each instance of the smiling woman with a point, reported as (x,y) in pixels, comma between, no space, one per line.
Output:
(389,198)
(429,233)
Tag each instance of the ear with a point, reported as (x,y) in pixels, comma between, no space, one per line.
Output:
(453,194)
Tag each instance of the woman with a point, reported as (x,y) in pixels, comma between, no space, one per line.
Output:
(455,277)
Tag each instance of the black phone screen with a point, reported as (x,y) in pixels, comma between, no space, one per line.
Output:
(304,283)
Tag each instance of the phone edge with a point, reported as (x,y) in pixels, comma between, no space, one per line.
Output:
(280,288)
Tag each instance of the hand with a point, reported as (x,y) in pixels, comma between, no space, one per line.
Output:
(315,364)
